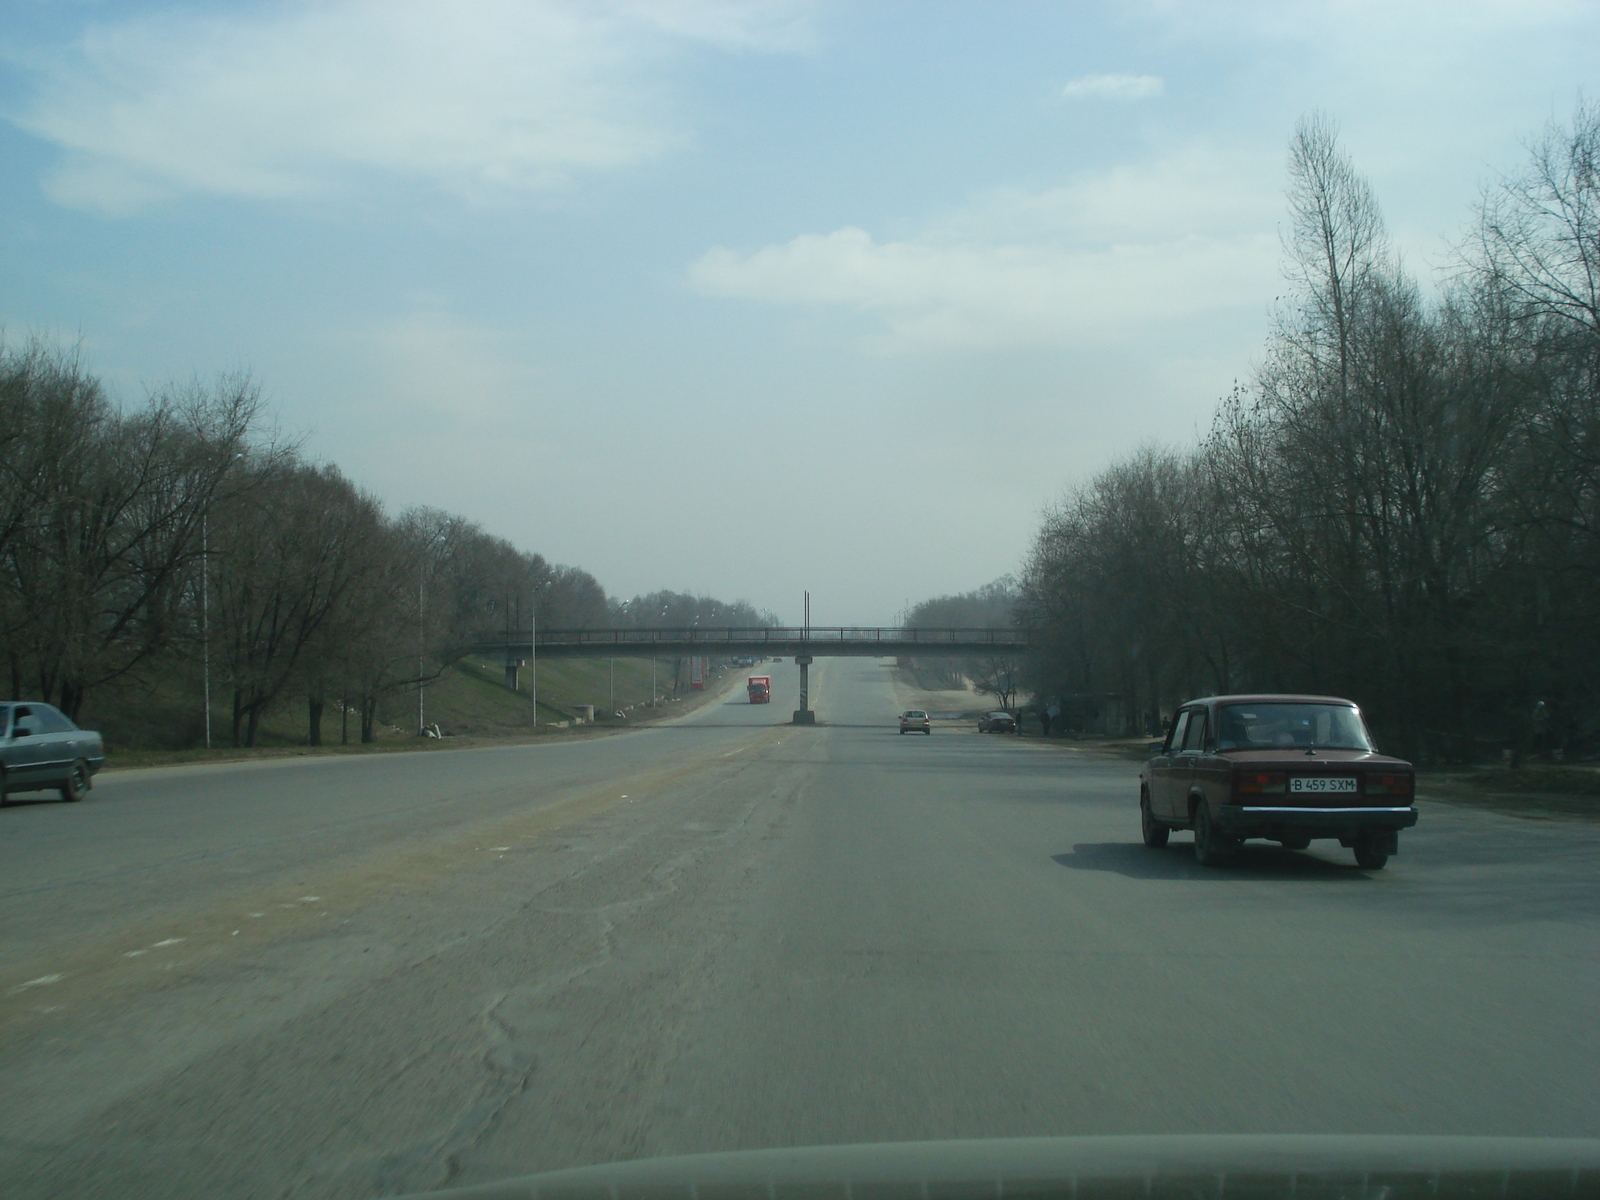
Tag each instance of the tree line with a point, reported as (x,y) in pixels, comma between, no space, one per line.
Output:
(183,536)
(992,606)
(1400,505)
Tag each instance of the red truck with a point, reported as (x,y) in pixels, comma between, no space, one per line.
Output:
(760,689)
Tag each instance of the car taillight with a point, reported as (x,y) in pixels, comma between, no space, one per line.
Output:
(1390,785)
(1264,783)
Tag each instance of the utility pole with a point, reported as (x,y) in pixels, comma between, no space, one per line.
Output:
(533,661)
(205,614)
(611,710)
(422,642)
(422,632)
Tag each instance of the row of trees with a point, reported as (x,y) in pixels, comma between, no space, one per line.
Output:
(1402,504)
(992,606)
(139,545)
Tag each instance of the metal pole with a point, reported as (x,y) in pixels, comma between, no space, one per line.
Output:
(205,614)
(533,662)
(613,672)
(652,682)
(422,641)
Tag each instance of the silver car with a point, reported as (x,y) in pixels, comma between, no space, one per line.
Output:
(41,750)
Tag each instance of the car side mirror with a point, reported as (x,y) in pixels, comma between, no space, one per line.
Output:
(1155,747)
(22,731)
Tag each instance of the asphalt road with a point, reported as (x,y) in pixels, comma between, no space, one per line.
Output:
(352,977)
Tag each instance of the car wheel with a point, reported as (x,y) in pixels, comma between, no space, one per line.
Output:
(1211,846)
(1370,855)
(929,732)
(3,801)
(1155,833)
(1294,843)
(76,786)
(902,731)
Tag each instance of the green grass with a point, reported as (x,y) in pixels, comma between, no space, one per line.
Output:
(1538,778)
(162,719)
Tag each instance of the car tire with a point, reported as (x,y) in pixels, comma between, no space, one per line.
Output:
(902,732)
(1370,856)
(1211,846)
(76,785)
(1294,843)
(929,732)
(3,801)
(1155,832)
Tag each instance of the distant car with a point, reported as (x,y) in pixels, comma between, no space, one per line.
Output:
(997,722)
(41,750)
(1285,768)
(914,720)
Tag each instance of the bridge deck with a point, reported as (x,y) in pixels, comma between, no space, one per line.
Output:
(761,643)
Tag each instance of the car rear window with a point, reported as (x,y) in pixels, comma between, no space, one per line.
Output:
(1276,726)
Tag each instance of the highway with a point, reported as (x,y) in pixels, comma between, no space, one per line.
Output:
(348,977)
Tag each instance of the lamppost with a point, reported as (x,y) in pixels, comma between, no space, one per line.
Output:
(205,614)
(205,602)
(422,632)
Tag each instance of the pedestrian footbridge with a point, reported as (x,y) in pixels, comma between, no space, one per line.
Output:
(759,643)
(802,643)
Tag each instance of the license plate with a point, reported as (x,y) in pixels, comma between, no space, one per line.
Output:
(1323,783)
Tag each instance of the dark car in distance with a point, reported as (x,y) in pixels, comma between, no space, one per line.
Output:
(997,722)
(1286,768)
(42,750)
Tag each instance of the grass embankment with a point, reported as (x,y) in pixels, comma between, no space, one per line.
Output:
(1538,791)
(163,722)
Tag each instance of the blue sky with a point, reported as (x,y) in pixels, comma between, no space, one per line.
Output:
(742,298)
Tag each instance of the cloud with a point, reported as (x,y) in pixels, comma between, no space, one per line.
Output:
(1095,262)
(1113,87)
(297,100)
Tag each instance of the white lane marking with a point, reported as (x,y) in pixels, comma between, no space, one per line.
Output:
(165,942)
(498,849)
(309,899)
(39,982)
(255,914)
(133,953)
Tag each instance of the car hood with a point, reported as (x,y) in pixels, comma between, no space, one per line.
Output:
(1266,1165)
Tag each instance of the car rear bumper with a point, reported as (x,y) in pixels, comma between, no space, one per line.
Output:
(1248,820)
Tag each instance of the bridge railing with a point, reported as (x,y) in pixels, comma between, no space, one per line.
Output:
(710,638)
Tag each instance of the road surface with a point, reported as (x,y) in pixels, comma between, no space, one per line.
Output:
(356,977)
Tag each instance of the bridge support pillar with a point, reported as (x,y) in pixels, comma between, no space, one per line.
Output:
(803,715)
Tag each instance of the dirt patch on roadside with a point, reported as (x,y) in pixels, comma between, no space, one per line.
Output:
(949,703)
(1538,793)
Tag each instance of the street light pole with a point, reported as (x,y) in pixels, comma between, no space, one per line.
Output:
(205,615)
(422,640)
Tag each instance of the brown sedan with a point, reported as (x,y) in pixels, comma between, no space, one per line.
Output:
(1285,768)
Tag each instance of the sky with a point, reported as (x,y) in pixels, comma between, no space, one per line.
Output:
(745,299)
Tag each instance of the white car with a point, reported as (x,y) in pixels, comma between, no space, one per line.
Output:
(914,720)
